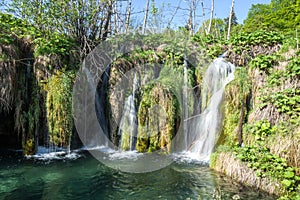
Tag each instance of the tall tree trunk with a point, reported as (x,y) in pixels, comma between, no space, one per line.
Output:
(190,23)
(218,31)
(241,122)
(146,17)
(230,19)
(107,22)
(193,7)
(211,16)
(116,25)
(203,16)
(175,12)
(297,40)
(128,13)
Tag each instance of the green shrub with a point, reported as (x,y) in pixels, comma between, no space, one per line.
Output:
(260,129)
(286,101)
(267,164)
(264,62)
(260,37)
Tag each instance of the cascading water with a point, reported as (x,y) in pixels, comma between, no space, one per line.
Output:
(204,128)
(128,126)
(202,115)
(185,101)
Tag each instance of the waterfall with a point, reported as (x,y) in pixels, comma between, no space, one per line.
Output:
(185,102)
(89,138)
(204,128)
(128,126)
(202,115)
(101,103)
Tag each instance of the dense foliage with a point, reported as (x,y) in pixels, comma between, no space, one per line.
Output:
(279,15)
(267,164)
(59,107)
(12,28)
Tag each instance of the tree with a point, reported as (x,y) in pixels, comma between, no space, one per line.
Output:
(87,21)
(146,17)
(218,27)
(234,20)
(211,16)
(173,15)
(279,15)
(230,19)
(128,14)
(256,17)
(192,14)
(203,17)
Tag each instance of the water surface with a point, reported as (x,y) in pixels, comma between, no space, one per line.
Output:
(80,176)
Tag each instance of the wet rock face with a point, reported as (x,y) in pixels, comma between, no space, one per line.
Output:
(156,108)
(116,98)
(8,75)
(157,116)
(8,138)
(156,90)
(120,87)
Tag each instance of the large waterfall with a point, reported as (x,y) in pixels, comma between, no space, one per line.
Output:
(186,123)
(192,119)
(205,127)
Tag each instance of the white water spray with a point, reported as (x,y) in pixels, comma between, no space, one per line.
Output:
(205,128)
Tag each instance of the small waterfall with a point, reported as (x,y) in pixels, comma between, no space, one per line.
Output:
(204,128)
(101,102)
(128,123)
(185,102)
(89,138)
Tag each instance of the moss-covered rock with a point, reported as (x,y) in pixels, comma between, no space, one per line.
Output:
(145,65)
(158,115)
(236,93)
(20,92)
(59,107)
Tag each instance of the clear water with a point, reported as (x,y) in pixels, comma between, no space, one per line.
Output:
(83,177)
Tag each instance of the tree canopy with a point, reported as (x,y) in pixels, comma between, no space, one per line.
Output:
(279,15)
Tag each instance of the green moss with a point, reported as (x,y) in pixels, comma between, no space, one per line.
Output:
(33,120)
(157,116)
(236,92)
(215,155)
(29,146)
(199,75)
(125,141)
(213,160)
(26,107)
(59,107)
(230,124)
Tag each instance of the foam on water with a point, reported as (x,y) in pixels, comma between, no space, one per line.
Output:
(130,155)
(190,158)
(45,154)
(115,155)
